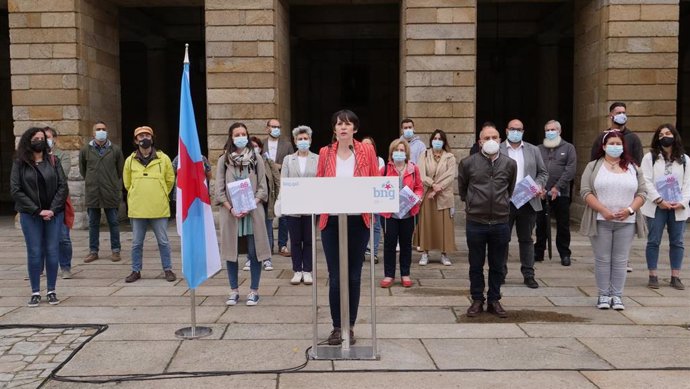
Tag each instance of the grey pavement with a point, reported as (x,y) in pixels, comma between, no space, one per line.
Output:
(554,337)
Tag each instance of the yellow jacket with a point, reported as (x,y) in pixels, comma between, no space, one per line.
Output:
(148,186)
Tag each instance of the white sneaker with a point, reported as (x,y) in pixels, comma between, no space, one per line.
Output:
(424,260)
(297,278)
(604,302)
(445,261)
(268,265)
(246,266)
(628,268)
(617,303)
(233,298)
(308,280)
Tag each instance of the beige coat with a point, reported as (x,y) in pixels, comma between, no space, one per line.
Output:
(273,180)
(228,222)
(588,225)
(442,173)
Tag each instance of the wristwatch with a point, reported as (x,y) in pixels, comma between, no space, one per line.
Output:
(631,211)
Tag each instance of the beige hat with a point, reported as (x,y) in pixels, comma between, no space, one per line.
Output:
(142,129)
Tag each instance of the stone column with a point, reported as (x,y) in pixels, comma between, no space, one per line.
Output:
(624,51)
(438,82)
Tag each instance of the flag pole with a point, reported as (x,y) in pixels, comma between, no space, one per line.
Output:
(192,332)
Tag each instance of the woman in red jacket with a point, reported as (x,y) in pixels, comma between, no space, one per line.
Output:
(345,157)
(399,227)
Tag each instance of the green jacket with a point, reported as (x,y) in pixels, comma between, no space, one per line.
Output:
(148,186)
(102,175)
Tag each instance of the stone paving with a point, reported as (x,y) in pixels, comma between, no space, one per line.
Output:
(554,337)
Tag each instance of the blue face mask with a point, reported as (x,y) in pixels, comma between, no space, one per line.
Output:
(614,151)
(408,133)
(399,156)
(101,135)
(437,144)
(240,141)
(515,136)
(50,143)
(551,135)
(303,145)
(275,132)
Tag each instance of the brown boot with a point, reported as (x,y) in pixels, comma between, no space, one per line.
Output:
(170,276)
(135,275)
(115,257)
(91,257)
(476,308)
(497,309)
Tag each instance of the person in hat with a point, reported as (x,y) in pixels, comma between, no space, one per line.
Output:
(148,177)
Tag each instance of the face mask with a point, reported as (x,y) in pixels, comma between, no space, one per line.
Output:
(240,141)
(515,136)
(614,151)
(490,147)
(620,119)
(437,144)
(257,150)
(551,135)
(101,135)
(666,141)
(38,145)
(303,145)
(145,143)
(50,143)
(275,132)
(399,156)
(408,133)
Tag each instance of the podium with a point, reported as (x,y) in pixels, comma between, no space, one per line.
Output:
(340,197)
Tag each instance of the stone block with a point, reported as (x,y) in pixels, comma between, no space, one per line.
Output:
(239,33)
(464,78)
(46,112)
(420,15)
(240,65)
(643,60)
(441,3)
(266,49)
(61,19)
(461,47)
(222,18)
(429,109)
(642,92)
(44,66)
(441,31)
(64,50)
(237,5)
(440,94)
(45,81)
(643,29)
(44,97)
(664,12)
(233,111)
(625,12)
(20,113)
(464,110)
(437,63)
(420,47)
(259,17)
(19,51)
(41,6)
(230,96)
(45,35)
(456,15)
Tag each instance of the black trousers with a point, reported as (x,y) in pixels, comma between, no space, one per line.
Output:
(397,230)
(560,210)
(523,219)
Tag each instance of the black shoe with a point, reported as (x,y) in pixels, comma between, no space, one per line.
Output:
(538,259)
(531,283)
(35,300)
(52,298)
(335,338)
(565,261)
(476,308)
(135,275)
(496,308)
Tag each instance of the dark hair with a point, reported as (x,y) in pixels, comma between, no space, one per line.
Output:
(444,138)
(371,140)
(229,145)
(677,150)
(406,120)
(626,159)
(616,105)
(489,124)
(347,116)
(24,152)
(100,122)
(53,132)
(257,141)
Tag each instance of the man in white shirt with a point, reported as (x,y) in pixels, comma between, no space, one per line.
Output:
(276,148)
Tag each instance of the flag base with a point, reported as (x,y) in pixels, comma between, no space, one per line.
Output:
(193,332)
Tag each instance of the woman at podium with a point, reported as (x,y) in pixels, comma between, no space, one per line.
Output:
(345,157)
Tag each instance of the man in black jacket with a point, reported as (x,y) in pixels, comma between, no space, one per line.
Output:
(486,181)
(619,119)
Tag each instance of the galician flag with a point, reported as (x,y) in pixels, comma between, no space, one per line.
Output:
(200,256)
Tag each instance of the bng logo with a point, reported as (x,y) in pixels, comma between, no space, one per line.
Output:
(386,191)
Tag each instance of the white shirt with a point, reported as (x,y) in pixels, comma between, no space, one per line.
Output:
(345,167)
(519,157)
(616,190)
(302,164)
(272,148)
(382,163)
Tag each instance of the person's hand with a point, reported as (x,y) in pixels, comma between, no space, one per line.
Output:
(608,215)
(554,193)
(46,214)
(258,201)
(675,206)
(430,195)
(622,214)
(436,187)
(236,214)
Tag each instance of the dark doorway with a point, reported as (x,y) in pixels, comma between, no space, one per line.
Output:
(683,112)
(151,53)
(525,65)
(6,123)
(346,57)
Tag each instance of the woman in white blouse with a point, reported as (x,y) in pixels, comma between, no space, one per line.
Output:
(668,192)
(614,190)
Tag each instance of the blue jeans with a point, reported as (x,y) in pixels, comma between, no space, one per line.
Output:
(357,237)
(254,267)
(377,234)
(160,229)
(65,248)
(665,218)
(269,231)
(94,215)
(480,238)
(282,232)
(42,248)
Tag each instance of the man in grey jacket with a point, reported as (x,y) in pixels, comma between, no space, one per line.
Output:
(486,181)
(561,162)
(529,163)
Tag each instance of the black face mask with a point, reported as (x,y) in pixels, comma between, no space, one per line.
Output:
(145,143)
(666,141)
(38,146)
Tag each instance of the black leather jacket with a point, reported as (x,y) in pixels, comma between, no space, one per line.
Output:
(486,187)
(24,187)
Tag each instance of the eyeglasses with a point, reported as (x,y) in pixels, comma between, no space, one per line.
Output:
(515,129)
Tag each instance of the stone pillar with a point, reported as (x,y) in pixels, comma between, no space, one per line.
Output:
(247,67)
(438,81)
(624,51)
(65,73)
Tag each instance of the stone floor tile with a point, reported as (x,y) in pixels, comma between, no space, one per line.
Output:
(649,353)
(570,330)
(80,315)
(659,315)
(155,331)
(650,379)
(396,354)
(123,357)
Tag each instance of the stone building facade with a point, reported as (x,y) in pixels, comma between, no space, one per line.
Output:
(65,66)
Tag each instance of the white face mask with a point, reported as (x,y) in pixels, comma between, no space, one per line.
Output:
(620,119)
(101,135)
(50,143)
(490,147)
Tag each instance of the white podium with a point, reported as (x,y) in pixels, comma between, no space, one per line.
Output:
(340,196)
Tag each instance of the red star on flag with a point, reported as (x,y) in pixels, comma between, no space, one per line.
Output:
(191,179)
